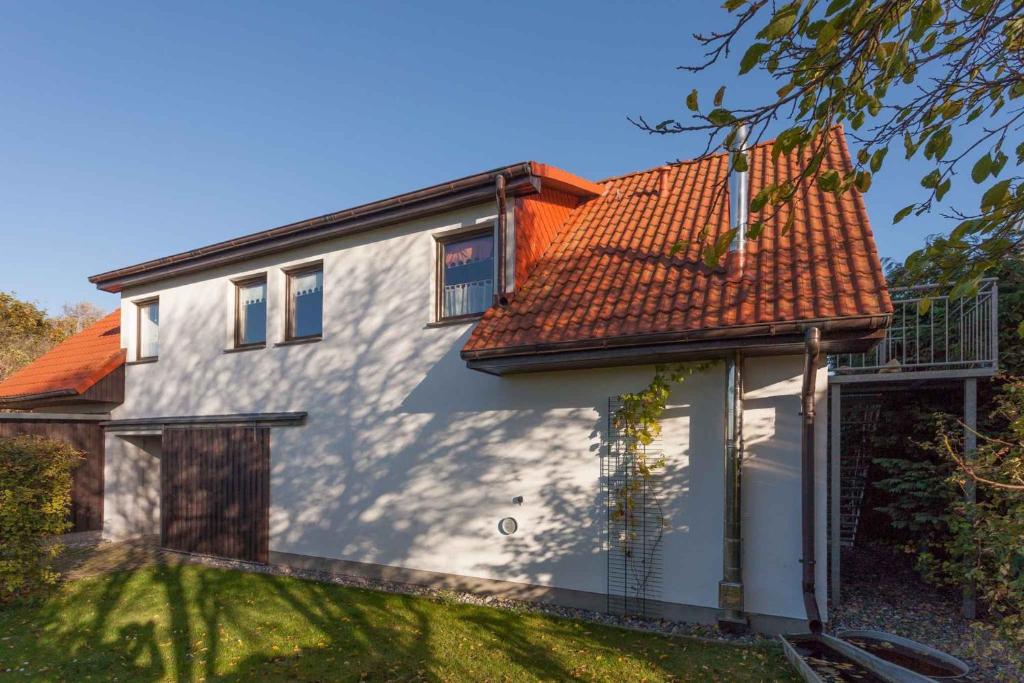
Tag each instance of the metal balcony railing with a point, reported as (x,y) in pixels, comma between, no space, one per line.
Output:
(945,336)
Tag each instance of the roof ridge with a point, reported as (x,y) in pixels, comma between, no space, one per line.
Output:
(705,157)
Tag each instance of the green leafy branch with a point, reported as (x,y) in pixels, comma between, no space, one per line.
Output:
(638,421)
(942,79)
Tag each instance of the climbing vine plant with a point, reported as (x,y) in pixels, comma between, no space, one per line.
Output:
(638,422)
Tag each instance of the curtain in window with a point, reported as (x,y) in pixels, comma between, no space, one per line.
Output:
(149,331)
(468,276)
(252,313)
(469,251)
(307,304)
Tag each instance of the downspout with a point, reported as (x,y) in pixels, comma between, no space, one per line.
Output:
(730,588)
(502,201)
(812,350)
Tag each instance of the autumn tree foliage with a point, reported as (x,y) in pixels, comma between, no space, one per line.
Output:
(939,80)
(27,332)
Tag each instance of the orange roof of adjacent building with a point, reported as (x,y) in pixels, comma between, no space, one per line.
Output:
(72,367)
(607,277)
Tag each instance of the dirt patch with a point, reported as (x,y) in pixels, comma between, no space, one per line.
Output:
(881,591)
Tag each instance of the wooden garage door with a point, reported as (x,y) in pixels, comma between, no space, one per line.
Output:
(215,491)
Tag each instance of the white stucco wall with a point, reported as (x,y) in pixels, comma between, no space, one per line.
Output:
(771,486)
(131,486)
(410,459)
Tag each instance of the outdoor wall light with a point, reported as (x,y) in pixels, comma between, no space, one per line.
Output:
(518,500)
(508,526)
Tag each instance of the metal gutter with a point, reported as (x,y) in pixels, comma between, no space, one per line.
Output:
(54,417)
(776,329)
(811,354)
(466,191)
(26,398)
(840,341)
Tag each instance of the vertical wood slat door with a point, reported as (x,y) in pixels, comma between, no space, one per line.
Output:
(215,491)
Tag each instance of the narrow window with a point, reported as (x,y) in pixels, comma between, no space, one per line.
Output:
(305,303)
(465,275)
(148,330)
(251,312)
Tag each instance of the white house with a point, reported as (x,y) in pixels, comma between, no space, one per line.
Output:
(382,390)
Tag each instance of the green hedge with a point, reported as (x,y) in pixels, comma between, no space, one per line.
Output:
(35,498)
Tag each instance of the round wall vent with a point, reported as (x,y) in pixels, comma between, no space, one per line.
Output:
(508,526)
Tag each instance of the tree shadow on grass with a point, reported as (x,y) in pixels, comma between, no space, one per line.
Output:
(189,623)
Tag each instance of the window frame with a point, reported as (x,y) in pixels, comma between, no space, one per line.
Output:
(239,284)
(139,306)
(289,303)
(478,230)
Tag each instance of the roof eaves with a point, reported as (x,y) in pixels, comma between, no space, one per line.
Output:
(432,199)
(766,330)
(115,361)
(16,399)
(559,179)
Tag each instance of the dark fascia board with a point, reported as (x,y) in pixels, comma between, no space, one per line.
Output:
(69,401)
(789,344)
(830,327)
(292,419)
(39,399)
(53,417)
(455,194)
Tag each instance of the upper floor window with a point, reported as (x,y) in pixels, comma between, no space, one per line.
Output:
(465,275)
(251,312)
(148,330)
(305,302)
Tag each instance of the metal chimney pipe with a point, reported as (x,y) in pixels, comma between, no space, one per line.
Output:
(739,191)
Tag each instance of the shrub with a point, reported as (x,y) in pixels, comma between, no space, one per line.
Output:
(35,498)
(915,479)
(987,539)
(955,542)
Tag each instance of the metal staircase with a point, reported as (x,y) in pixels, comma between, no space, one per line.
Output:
(935,337)
(859,420)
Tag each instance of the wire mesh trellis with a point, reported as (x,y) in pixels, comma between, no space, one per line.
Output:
(636,527)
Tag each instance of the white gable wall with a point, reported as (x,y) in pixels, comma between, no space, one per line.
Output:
(410,459)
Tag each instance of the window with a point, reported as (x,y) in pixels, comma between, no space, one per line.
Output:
(465,275)
(148,330)
(251,312)
(305,303)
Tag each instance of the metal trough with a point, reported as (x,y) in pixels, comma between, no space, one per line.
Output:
(909,654)
(819,658)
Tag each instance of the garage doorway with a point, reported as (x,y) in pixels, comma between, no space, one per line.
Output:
(215,491)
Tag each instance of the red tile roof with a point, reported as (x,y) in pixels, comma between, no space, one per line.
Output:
(71,367)
(608,278)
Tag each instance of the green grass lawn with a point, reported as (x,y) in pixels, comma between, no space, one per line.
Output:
(189,623)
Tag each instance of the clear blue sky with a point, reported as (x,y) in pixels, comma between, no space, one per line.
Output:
(129,132)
